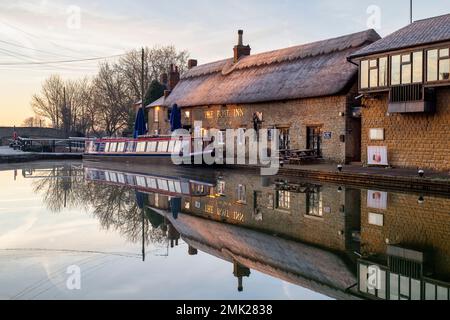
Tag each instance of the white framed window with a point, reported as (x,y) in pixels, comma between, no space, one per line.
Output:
(140,181)
(107,146)
(163,145)
(151,183)
(171,146)
(163,185)
(151,146)
(113,147)
(121,147)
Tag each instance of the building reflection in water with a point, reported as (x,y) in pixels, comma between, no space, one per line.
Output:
(341,241)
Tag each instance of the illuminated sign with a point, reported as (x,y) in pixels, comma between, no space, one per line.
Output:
(220,114)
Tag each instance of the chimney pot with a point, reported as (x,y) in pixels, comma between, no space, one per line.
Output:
(192,63)
(174,77)
(240,37)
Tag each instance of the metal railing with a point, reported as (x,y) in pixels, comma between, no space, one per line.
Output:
(71,145)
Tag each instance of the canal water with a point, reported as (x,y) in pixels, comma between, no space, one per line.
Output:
(74,230)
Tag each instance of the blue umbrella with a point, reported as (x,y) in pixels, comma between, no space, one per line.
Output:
(175,206)
(175,118)
(140,127)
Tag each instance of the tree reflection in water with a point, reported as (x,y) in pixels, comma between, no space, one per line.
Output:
(116,208)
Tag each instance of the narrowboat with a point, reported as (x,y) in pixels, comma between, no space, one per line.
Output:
(146,150)
(151,183)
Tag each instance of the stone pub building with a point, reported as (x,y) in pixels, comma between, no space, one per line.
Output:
(307,92)
(405,79)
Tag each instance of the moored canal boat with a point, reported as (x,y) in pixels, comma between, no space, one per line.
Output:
(147,150)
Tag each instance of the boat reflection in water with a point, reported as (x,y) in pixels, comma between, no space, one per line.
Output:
(340,241)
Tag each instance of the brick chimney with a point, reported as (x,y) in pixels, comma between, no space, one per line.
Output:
(240,50)
(174,76)
(192,63)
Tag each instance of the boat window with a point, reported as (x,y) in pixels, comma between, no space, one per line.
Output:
(162,184)
(171,146)
(163,145)
(151,183)
(151,146)
(107,176)
(113,147)
(107,146)
(121,178)
(121,147)
(177,148)
(178,187)
(131,180)
(141,182)
(172,187)
(113,176)
(141,147)
(131,147)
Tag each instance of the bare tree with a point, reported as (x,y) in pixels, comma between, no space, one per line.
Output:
(157,60)
(48,104)
(111,102)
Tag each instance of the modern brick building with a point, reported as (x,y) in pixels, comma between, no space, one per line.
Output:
(405,81)
(307,92)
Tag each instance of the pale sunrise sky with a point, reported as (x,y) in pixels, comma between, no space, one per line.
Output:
(46,30)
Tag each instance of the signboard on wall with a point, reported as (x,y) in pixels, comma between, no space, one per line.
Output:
(377,200)
(377,156)
(327,135)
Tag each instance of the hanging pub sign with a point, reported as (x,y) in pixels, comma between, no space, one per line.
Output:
(327,135)
(377,156)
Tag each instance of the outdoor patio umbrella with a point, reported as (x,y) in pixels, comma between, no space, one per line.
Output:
(140,127)
(175,118)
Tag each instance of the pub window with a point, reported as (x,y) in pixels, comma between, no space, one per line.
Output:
(314,206)
(373,73)
(187,114)
(283,200)
(241,194)
(285,139)
(438,62)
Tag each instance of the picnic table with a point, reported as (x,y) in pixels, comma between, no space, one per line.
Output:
(298,156)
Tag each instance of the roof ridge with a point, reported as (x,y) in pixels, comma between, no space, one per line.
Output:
(429,18)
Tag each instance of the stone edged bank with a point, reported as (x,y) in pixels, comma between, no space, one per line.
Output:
(368,180)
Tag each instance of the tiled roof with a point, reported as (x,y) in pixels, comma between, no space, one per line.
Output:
(427,31)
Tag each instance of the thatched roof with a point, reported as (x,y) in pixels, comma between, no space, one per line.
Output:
(421,32)
(310,70)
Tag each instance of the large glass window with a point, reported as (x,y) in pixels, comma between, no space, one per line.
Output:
(444,64)
(395,70)
(406,69)
(418,67)
(432,65)
(383,67)
(373,73)
(156,115)
(364,74)
(438,63)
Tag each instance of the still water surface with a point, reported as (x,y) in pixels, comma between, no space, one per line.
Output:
(163,233)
